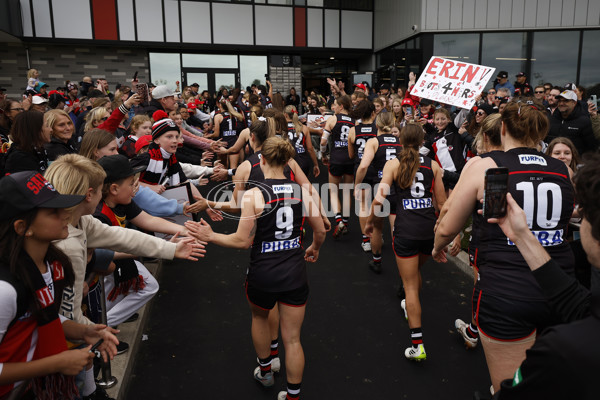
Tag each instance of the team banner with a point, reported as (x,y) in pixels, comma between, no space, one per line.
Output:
(452,82)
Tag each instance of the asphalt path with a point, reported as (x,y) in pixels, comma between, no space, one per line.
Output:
(354,335)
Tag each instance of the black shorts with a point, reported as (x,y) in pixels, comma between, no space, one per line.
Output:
(506,319)
(267,300)
(370,176)
(473,253)
(338,170)
(304,163)
(407,248)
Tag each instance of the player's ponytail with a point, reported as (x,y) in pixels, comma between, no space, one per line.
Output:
(411,138)
(385,121)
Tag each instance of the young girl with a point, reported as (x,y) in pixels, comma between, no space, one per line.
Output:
(417,183)
(272,219)
(140,125)
(33,273)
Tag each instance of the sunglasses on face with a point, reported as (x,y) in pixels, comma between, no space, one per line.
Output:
(491,92)
(17,109)
(538,92)
(480,113)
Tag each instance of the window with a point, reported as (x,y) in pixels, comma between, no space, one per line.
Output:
(165,69)
(590,60)
(209,61)
(463,47)
(505,52)
(252,69)
(554,57)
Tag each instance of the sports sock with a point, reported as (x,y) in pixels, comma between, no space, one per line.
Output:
(345,220)
(416,336)
(89,385)
(274,348)
(338,218)
(472,331)
(366,239)
(265,366)
(293,391)
(377,258)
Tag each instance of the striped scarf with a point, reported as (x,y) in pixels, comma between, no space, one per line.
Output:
(157,173)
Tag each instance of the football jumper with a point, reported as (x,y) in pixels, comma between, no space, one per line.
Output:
(256,172)
(277,257)
(541,186)
(298,140)
(364,132)
(229,129)
(339,133)
(415,215)
(388,146)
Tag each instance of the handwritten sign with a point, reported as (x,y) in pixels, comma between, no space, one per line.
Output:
(452,82)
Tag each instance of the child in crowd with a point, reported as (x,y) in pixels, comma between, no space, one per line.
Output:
(33,273)
(131,285)
(77,175)
(32,79)
(140,125)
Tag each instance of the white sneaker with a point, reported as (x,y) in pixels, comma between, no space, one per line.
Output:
(282,395)
(461,327)
(276,364)
(403,305)
(267,380)
(417,354)
(366,246)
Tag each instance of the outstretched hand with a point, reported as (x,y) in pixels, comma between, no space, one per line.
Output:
(108,348)
(189,248)
(200,230)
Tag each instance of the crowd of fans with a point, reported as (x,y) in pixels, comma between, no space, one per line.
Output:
(86,168)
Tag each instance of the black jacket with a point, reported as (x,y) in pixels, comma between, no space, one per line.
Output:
(565,359)
(577,127)
(57,148)
(153,105)
(19,160)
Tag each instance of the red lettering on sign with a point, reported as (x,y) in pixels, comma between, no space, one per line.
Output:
(470,73)
(447,66)
(433,65)
(460,66)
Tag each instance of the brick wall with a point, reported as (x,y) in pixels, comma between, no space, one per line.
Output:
(58,64)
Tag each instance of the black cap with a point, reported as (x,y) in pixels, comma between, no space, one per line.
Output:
(425,102)
(195,84)
(24,191)
(502,74)
(486,108)
(117,167)
(384,86)
(2,89)
(520,74)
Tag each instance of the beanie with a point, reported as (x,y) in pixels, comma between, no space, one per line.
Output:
(163,126)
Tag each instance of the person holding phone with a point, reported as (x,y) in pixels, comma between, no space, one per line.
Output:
(511,307)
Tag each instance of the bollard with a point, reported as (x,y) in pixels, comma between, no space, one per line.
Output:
(107,380)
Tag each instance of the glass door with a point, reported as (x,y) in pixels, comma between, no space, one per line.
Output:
(213,80)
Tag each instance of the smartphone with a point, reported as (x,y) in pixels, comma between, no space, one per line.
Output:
(409,111)
(494,193)
(135,76)
(594,100)
(142,90)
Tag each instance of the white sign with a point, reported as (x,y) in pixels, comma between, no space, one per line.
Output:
(452,82)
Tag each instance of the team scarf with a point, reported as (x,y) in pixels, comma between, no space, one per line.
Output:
(51,337)
(163,166)
(127,276)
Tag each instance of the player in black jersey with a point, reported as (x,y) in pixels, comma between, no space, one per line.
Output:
(271,222)
(256,111)
(418,184)
(300,138)
(511,306)
(357,140)
(227,127)
(341,166)
(378,151)
(486,141)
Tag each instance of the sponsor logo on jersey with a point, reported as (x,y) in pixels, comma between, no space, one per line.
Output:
(546,238)
(380,174)
(229,133)
(300,149)
(417,204)
(390,139)
(346,118)
(367,130)
(574,128)
(341,143)
(280,245)
(532,159)
(421,160)
(282,189)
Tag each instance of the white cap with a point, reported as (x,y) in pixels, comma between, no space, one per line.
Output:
(568,95)
(162,91)
(38,100)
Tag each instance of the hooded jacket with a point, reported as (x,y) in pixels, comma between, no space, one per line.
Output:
(577,127)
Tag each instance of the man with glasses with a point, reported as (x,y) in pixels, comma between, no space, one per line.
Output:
(503,83)
(569,121)
(491,96)
(540,93)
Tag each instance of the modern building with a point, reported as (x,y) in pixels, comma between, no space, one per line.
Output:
(298,43)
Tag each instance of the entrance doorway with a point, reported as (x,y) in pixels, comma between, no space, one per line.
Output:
(211,79)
